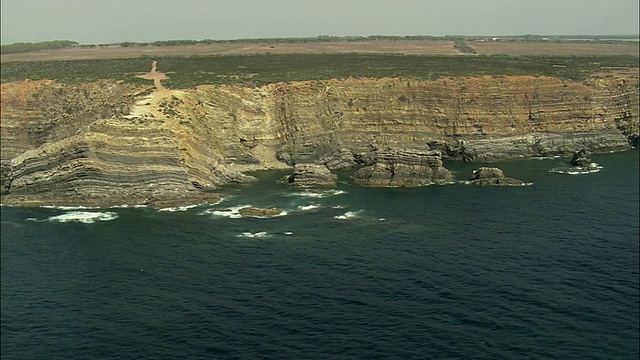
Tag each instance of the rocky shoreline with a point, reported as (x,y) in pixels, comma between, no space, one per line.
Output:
(112,143)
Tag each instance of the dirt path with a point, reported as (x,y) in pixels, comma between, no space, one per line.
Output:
(156,76)
(148,106)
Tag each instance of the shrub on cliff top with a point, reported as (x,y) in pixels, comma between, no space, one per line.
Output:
(185,72)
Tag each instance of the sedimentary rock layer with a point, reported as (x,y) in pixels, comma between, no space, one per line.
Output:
(109,143)
(400,168)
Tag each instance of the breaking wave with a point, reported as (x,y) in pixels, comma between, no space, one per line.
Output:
(86,217)
(69,207)
(545,157)
(232,212)
(318,193)
(178,208)
(592,168)
(261,234)
(308,207)
(349,215)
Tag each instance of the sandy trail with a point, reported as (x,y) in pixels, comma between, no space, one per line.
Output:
(156,76)
(148,107)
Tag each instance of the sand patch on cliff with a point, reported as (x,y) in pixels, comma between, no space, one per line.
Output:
(147,106)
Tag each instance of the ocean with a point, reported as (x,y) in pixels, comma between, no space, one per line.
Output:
(544,271)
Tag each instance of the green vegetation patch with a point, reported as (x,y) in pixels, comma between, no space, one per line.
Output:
(77,71)
(45,45)
(186,72)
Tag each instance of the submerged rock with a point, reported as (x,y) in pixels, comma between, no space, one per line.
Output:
(404,167)
(492,176)
(260,212)
(310,174)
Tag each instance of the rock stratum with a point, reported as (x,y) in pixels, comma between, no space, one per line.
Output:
(108,143)
(403,167)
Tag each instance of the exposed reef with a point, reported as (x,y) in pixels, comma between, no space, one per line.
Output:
(492,176)
(110,143)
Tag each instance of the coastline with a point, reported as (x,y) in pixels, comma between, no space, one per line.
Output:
(461,173)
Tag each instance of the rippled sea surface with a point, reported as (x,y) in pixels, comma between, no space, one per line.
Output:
(546,271)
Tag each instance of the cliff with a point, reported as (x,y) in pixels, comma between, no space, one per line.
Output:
(107,143)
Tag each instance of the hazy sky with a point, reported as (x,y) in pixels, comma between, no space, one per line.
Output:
(109,21)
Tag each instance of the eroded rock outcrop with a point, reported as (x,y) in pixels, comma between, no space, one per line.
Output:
(492,176)
(581,158)
(404,168)
(309,175)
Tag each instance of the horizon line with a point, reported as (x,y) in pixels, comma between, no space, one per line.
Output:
(363,37)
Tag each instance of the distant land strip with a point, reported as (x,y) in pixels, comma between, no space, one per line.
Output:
(414,44)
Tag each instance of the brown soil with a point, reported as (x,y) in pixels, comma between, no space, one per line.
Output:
(431,47)
(541,48)
(109,52)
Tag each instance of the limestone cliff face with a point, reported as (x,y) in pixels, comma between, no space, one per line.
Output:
(113,143)
(478,118)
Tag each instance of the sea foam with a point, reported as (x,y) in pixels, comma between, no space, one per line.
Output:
(178,208)
(593,168)
(308,207)
(232,212)
(261,234)
(318,193)
(349,215)
(86,217)
(69,207)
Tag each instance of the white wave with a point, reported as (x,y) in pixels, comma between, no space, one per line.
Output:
(232,212)
(545,157)
(338,207)
(349,215)
(382,219)
(468,182)
(125,206)
(319,193)
(288,233)
(69,207)
(592,168)
(214,203)
(86,217)
(261,234)
(308,207)
(178,208)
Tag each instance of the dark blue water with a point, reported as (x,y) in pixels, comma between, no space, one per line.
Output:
(547,271)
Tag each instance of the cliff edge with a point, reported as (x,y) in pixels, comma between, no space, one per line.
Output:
(108,142)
